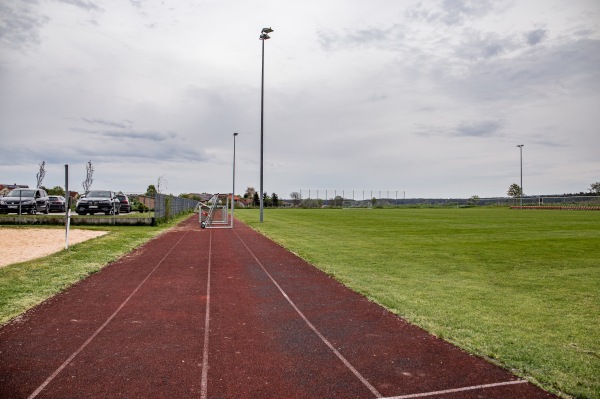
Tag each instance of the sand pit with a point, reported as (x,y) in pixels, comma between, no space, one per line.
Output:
(19,245)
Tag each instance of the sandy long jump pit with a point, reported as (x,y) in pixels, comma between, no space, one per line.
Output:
(22,244)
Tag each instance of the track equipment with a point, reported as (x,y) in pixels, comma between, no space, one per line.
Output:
(213,215)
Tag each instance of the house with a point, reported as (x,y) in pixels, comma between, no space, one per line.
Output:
(6,188)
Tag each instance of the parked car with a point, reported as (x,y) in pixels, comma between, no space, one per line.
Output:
(57,203)
(95,201)
(31,200)
(125,204)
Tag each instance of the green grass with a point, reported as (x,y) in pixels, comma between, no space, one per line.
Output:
(519,287)
(24,285)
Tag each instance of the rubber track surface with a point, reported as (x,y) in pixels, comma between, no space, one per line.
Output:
(277,328)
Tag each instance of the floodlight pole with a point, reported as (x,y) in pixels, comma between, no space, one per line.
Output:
(264,35)
(521,156)
(233,189)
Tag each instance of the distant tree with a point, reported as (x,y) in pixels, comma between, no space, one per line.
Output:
(373,201)
(255,199)
(295,196)
(474,200)
(89,177)
(161,184)
(595,187)
(275,200)
(250,191)
(56,190)
(514,190)
(338,201)
(151,190)
(312,203)
(266,200)
(41,174)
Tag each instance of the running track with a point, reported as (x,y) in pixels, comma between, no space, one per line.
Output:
(221,313)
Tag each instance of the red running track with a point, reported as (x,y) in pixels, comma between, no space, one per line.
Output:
(222,313)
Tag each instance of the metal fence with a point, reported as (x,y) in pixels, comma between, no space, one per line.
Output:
(339,198)
(168,206)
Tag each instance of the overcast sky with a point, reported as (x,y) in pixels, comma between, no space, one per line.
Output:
(427,98)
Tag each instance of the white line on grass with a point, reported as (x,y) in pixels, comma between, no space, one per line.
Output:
(91,338)
(312,327)
(472,388)
(204,383)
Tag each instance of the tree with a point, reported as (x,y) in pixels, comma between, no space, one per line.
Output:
(275,200)
(474,200)
(161,184)
(56,190)
(250,191)
(89,177)
(295,196)
(151,190)
(595,187)
(338,201)
(514,190)
(41,174)
(255,199)
(266,200)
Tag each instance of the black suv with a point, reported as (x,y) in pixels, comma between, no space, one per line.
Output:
(96,201)
(124,200)
(31,200)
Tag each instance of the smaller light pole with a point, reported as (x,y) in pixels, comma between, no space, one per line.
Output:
(521,156)
(233,189)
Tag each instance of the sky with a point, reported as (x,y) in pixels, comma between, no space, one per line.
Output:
(415,98)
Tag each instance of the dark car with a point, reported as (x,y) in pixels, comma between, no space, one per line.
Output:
(96,201)
(125,204)
(28,200)
(57,203)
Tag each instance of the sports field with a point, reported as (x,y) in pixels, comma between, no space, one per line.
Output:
(518,286)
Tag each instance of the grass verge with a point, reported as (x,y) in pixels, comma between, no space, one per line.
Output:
(518,287)
(27,284)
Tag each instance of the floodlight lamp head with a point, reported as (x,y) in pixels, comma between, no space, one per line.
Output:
(235,134)
(264,36)
(267,30)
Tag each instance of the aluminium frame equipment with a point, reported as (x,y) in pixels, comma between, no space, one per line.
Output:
(213,216)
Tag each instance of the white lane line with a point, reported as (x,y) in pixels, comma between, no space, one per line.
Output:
(312,327)
(91,338)
(471,388)
(204,382)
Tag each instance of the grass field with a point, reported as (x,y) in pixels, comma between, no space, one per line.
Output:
(519,287)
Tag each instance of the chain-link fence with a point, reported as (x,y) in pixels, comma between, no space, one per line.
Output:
(385,198)
(168,206)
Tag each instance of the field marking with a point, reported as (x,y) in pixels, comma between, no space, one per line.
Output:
(204,381)
(99,330)
(312,327)
(455,390)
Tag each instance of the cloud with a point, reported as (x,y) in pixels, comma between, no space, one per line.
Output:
(453,12)
(86,5)
(20,25)
(535,36)
(122,125)
(533,74)
(479,129)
